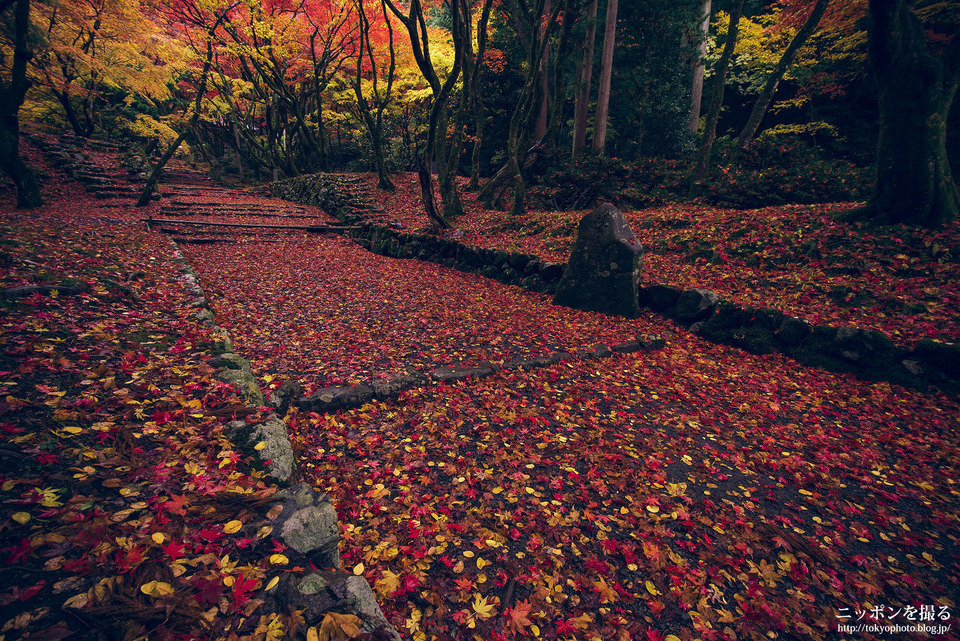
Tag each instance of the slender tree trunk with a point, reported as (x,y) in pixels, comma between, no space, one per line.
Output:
(699,67)
(716,101)
(476,101)
(541,127)
(915,90)
(555,121)
(582,104)
(606,73)
(11,99)
(236,142)
(147,193)
(773,80)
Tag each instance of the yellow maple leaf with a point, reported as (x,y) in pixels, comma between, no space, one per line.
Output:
(387,584)
(483,609)
(339,627)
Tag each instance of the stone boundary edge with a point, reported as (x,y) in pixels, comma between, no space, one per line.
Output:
(865,353)
(304,519)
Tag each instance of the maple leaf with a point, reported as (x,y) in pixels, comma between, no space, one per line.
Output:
(242,587)
(517,617)
(387,584)
(482,609)
(565,627)
(338,627)
(607,594)
(176,504)
(208,591)
(174,549)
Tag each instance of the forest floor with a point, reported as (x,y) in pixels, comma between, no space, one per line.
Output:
(692,492)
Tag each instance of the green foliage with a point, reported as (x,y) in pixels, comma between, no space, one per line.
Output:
(652,76)
(780,168)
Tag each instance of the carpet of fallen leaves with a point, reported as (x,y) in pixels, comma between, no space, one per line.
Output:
(693,492)
(124,511)
(799,259)
(328,312)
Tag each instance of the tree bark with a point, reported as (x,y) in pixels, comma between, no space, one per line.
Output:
(374,120)
(416,25)
(12,95)
(770,86)
(915,90)
(699,67)
(541,127)
(606,74)
(716,100)
(582,104)
(147,193)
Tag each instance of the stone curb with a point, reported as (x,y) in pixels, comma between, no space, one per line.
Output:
(867,354)
(305,519)
(335,398)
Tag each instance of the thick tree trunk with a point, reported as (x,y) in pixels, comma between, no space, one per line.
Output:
(915,90)
(773,81)
(606,73)
(582,105)
(427,195)
(699,67)
(716,101)
(11,99)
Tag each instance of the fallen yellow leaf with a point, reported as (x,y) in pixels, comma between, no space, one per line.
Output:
(156,588)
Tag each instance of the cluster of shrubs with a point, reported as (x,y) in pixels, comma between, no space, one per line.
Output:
(771,172)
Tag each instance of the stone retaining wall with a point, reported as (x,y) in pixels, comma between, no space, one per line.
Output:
(865,353)
(305,519)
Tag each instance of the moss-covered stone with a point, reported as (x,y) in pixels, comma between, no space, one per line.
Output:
(603,272)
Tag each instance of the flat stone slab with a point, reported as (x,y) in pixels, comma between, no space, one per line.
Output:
(329,399)
(449,373)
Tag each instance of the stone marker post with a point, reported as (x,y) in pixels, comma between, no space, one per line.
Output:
(603,272)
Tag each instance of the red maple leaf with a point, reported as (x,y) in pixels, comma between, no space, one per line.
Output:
(174,549)
(566,628)
(176,504)
(517,617)
(242,588)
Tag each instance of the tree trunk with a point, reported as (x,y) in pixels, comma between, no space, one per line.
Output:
(582,104)
(770,87)
(11,99)
(696,94)
(606,73)
(476,102)
(716,101)
(427,195)
(915,89)
(541,127)
(147,193)
(374,120)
